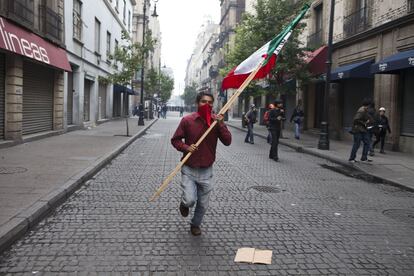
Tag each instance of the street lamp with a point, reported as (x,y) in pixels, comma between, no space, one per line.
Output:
(141,102)
(323,143)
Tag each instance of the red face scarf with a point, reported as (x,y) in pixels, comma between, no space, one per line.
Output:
(205,112)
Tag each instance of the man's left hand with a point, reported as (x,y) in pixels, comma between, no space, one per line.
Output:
(220,118)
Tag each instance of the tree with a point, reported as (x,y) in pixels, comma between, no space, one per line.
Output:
(190,94)
(130,55)
(166,86)
(270,18)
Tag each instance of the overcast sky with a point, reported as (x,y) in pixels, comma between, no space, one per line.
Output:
(180,23)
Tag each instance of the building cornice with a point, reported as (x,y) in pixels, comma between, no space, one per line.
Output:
(375,31)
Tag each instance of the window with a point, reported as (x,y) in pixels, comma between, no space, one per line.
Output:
(129,20)
(108,45)
(318,18)
(116,47)
(124,13)
(77,19)
(97,36)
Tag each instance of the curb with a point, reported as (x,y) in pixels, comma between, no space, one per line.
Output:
(27,219)
(338,161)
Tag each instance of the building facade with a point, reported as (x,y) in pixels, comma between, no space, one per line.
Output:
(32,65)
(370,37)
(93,31)
(153,60)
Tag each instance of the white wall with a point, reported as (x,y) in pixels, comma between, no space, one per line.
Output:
(82,54)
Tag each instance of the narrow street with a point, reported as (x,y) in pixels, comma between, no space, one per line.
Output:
(315,220)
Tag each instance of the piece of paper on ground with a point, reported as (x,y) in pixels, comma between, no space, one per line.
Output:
(252,255)
(244,255)
(262,256)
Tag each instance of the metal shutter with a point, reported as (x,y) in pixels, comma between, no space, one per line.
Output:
(407,118)
(70,99)
(86,101)
(2,97)
(102,101)
(117,104)
(38,82)
(355,91)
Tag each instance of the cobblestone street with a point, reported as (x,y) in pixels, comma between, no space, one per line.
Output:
(315,220)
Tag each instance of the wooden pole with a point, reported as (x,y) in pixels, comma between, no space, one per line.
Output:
(200,140)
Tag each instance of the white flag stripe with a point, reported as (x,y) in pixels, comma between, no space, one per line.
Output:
(249,64)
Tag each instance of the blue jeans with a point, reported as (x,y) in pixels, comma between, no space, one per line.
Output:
(196,186)
(249,135)
(358,138)
(297,130)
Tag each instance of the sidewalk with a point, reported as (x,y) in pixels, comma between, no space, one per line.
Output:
(36,176)
(394,167)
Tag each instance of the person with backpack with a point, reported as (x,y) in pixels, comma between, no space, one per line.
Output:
(297,118)
(276,116)
(266,122)
(251,119)
(360,132)
(383,126)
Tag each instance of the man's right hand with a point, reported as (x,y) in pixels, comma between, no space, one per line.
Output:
(192,148)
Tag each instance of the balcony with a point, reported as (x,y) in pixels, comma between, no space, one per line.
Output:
(315,40)
(20,10)
(356,22)
(52,23)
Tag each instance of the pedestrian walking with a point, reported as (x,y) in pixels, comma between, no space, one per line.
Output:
(266,122)
(382,127)
(371,126)
(181,111)
(360,132)
(297,118)
(197,173)
(276,116)
(158,111)
(251,119)
(164,111)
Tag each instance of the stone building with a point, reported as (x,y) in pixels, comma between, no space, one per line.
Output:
(373,57)
(93,31)
(153,25)
(32,65)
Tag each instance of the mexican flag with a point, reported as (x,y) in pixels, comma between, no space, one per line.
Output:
(269,52)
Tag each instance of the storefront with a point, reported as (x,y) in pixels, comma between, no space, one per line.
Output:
(402,65)
(356,83)
(2,96)
(314,93)
(121,100)
(33,92)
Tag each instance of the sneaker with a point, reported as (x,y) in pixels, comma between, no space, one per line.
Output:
(276,159)
(372,154)
(352,161)
(366,160)
(195,230)
(184,210)
(382,151)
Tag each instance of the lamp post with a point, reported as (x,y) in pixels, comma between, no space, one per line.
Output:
(323,143)
(141,102)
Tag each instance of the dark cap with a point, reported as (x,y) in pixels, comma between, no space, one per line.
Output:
(278,101)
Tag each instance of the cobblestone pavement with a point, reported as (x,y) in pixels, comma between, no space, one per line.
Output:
(316,221)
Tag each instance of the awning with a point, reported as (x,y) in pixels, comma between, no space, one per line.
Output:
(394,63)
(316,60)
(19,41)
(123,89)
(358,70)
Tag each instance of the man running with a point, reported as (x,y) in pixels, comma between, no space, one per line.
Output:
(197,173)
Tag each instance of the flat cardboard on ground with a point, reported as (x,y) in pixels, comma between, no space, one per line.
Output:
(253,256)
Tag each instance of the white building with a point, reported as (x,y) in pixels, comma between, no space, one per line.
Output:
(93,30)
